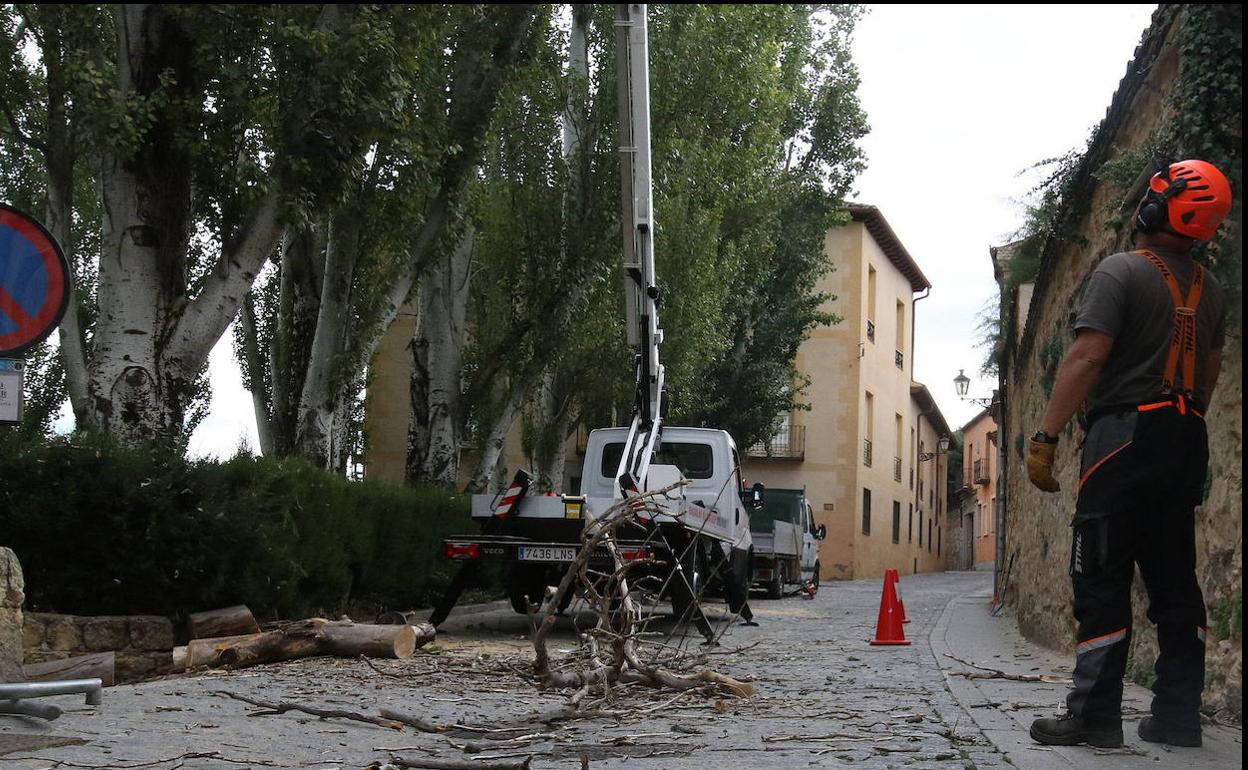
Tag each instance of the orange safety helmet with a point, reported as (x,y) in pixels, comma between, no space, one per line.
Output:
(1192,196)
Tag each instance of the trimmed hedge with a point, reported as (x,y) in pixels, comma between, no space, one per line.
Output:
(105,530)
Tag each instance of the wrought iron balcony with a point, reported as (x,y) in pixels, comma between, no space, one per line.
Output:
(871,331)
(979,473)
(866,452)
(896,469)
(789,443)
(900,359)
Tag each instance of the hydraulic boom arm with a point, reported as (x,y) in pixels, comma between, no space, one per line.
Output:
(641,292)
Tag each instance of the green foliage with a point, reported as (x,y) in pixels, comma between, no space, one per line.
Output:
(1227,615)
(1050,358)
(105,530)
(1207,102)
(756,128)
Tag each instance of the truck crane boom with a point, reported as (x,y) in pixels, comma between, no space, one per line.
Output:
(641,292)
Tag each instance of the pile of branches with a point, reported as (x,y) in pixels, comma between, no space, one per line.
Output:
(614,651)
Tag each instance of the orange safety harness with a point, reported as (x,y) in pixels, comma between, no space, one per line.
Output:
(1182,341)
(1182,345)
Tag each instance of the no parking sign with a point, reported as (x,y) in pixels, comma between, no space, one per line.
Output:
(34,291)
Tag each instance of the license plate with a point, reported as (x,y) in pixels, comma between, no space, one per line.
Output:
(547,553)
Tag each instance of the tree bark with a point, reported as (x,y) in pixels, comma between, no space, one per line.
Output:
(98,665)
(302,275)
(552,412)
(437,373)
(60,155)
(260,396)
(230,621)
(322,385)
(314,636)
(492,447)
(372,641)
(151,340)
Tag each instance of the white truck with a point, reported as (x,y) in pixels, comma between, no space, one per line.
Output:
(786,542)
(706,535)
(704,539)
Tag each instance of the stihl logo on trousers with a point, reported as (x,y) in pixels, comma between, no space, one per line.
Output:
(1079,553)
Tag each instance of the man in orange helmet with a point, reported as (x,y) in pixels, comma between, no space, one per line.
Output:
(1146,356)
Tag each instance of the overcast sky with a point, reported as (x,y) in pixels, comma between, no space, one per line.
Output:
(961,100)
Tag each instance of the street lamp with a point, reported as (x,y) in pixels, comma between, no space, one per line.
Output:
(942,447)
(963,383)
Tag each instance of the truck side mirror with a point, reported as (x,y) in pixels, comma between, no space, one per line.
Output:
(822,532)
(755,497)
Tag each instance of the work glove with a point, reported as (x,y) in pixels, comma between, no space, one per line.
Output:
(1040,465)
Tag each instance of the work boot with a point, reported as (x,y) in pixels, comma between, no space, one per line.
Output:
(1068,730)
(1154,730)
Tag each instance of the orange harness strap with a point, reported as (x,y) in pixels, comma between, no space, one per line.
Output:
(1183,341)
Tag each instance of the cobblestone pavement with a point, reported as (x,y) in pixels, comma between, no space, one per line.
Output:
(826,698)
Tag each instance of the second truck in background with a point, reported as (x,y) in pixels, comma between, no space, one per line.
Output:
(786,542)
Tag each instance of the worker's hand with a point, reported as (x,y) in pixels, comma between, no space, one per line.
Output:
(1040,465)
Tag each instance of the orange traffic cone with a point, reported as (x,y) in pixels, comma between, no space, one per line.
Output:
(888,627)
(901,602)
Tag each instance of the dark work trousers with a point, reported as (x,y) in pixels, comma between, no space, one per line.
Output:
(1143,473)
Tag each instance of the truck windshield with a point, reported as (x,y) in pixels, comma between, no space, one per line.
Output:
(778,505)
(695,461)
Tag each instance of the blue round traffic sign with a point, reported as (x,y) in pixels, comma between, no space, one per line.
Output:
(34,282)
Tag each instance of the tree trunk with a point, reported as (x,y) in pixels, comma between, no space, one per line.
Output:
(322,385)
(437,373)
(150,339)
(230,621)
(399,642)
(306,638)
(60,155)
(98,665)
(492,447)
(552,412)
(550,451)
(261,400)
(302,272)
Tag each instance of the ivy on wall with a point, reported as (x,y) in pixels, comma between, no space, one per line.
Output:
(1208,122)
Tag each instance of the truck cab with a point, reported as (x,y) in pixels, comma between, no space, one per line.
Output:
(713,503)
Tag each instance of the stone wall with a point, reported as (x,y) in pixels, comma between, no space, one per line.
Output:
(12,589)
(1037,524)
(143,643)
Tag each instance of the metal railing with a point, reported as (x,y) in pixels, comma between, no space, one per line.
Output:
(789,443)
(871,330)
(896,469)
(900,359)
(979,472)
(866,452)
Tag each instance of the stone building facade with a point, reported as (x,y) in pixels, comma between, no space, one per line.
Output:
(980,463)
(1037,532)
(857,448)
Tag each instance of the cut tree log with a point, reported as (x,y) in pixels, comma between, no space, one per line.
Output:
(376,641)
(315,636)
(98,665)
(230,621)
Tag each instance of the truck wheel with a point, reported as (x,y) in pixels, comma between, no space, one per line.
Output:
(815,578)
(686,592)
(775,587)
(527,584)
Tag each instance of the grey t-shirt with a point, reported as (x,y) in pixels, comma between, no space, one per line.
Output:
(1127,298)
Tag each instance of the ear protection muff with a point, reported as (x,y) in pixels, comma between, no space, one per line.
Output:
(1152,212)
